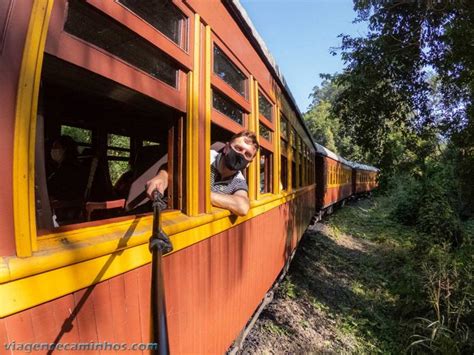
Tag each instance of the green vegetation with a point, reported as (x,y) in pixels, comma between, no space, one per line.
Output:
(431,283)
(365,283)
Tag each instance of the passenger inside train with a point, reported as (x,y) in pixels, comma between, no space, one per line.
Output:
(67,178)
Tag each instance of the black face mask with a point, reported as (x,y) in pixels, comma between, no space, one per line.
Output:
(234,160)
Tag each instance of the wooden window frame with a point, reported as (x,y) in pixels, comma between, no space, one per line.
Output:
(268,121)
(268,173)
(46,35)
(184,38)
(270,125)
(140,26)
(226,122)
(224,87)
(228,91)
(92,58)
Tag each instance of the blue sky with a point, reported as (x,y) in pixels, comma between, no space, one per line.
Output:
(299,34)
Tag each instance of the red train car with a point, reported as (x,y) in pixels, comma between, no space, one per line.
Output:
(333,178)
(130,80)
(364,178)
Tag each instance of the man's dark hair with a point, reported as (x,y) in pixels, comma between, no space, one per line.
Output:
(251,138)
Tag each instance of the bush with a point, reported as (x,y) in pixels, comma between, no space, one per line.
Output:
(437,218)
(438,213)
(405,195)
(448,280)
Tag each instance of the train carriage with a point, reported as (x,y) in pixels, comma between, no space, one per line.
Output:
(364,178)
(333,178)
(131,81)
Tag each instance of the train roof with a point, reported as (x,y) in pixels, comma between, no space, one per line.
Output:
(330,154)
(364,167)
(326,152)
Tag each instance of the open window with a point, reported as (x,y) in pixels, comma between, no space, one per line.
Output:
(220,136)
(266,171)
(266,133)
(98,143)
(293,138)
(284,152)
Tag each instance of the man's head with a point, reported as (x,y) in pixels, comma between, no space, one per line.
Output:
(240,150)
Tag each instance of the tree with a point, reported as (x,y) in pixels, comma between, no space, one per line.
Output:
(387,83)
(324,124)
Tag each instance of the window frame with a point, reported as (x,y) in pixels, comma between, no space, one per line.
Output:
(134,22)
(262,120)
(100,140)
(246,81)
(268,120)
(83,54)
(284,153)
(184,35)
(228,91)
(75,51)
(268,172)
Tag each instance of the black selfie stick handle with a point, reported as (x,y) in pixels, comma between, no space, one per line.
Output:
(159,244)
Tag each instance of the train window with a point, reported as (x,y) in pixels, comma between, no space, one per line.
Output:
(283,147)
(284,152)
(219,136)
(284,127)
(228,72)
(85,22)
(293,175)
(118,156)
(225,106)
(163,15)
(264,107)
(80,135)
(284,173)
(123,146)
(265,132)
(300,166)
(266,169)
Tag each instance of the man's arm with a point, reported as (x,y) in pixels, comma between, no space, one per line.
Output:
(237,203)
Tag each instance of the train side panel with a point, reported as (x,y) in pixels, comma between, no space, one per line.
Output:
(331,188)
(364,181)
(212,289)
(14,17)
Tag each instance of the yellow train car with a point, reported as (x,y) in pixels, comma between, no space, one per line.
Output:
(130,81)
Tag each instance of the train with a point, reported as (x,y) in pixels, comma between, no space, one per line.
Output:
(129,81)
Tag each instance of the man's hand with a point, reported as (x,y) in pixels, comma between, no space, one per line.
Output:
(159,182)
(238,203)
